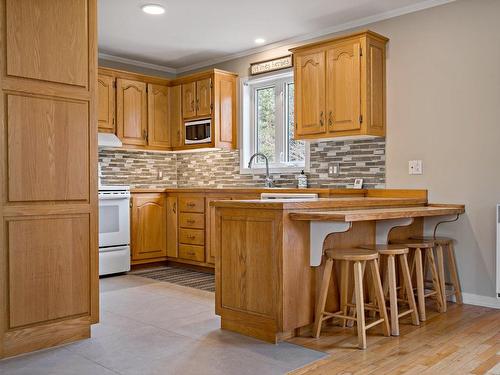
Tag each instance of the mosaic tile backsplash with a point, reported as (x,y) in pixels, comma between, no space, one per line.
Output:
(221,168)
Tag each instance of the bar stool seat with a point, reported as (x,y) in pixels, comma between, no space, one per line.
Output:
(351,254)
(437,240)
(360,258)
(417,247)
(391,253)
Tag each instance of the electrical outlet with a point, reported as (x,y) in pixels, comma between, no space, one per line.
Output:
(333,169)
(415,167)
(159,175)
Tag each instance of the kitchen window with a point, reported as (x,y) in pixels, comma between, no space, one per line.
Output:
(268,124)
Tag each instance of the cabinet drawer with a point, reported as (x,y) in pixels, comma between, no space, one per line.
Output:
(191,252)
(192,204)
(189,220)
(192,236)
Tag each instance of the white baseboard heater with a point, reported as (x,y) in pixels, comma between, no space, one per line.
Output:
(498,251)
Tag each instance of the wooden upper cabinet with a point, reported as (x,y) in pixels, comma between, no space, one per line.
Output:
(158,121)
(310,84)
(106,103)
(204,97)
(48,43)
(149,226)
(197,98)
(343,92)
(175,116)
(131,107)
(340,87)
(189,100)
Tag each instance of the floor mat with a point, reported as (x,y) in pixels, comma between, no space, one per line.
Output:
(180,276)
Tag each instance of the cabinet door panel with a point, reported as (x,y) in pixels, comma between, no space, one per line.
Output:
(310,97)
(48,149)
(204,97)
(131,107)
(158,126)
(148,226)
(344,87)
(172,234)
(106,103)
(48,40)
(175,116)
(189,100)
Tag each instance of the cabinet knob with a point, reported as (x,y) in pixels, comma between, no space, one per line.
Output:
(330,118)
(321,121)
(174,208)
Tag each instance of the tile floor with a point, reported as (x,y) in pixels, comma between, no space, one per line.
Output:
(150,327)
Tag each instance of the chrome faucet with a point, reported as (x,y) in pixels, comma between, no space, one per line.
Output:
(269,179)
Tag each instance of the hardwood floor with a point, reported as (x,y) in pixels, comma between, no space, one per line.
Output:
(465,340)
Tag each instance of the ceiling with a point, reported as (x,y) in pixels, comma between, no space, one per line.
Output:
(194,33)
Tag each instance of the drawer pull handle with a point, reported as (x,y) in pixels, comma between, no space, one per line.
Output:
(190,221)
(191,237)
(190,204)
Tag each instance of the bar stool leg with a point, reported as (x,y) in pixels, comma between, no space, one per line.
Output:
(344,288)
(393,298)
(321,302)
(409,289)
(360,308)
(420,284)
(435,279)
(377,284)
(441,277)
(454,273)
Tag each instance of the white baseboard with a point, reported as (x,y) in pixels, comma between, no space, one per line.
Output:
(476,299)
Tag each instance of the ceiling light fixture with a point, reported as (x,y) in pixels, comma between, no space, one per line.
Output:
(153,9)
(260,41)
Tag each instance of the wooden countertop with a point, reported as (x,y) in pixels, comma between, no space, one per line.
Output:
(321,203)
(251,190)
(379,213)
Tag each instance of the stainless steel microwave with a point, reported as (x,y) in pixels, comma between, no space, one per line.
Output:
(197,132)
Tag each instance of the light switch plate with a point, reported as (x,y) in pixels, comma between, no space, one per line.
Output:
(415,167)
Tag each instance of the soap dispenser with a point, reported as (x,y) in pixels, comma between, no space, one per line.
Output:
(302,178)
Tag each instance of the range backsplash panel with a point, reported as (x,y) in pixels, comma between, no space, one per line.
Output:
(221,168)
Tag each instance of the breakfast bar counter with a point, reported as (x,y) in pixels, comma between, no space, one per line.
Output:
(269,254)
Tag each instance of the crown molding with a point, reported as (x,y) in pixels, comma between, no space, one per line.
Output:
(286,42)
(141,64)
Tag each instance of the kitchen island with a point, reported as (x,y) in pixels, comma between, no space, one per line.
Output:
(268,254)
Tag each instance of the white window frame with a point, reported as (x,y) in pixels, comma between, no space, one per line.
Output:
(248,129)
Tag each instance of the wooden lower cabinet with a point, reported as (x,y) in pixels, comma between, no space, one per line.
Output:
(149,226)
(175,226)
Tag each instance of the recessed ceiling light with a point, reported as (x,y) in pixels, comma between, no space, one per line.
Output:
(259,41)
(153,9)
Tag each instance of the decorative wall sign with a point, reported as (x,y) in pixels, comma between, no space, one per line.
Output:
(271,65)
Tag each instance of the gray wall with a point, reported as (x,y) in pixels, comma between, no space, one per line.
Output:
(443,106)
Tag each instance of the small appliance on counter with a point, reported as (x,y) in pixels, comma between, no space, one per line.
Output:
(114,229)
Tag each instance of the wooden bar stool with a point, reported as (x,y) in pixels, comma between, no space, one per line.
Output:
(360,258)
(391,253)
(416,248)
(451,264)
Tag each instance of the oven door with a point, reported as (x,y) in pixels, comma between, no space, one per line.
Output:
(114,219)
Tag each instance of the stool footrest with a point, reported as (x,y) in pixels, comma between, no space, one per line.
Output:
(404,313)
(372,324)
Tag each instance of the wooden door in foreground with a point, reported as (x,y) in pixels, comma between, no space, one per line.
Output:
(48,185)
